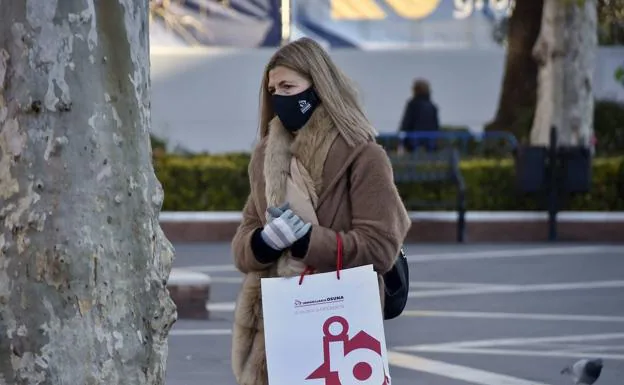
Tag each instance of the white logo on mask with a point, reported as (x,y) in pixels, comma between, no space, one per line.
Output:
(304,106)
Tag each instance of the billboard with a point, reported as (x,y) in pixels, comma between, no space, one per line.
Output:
(223,23)
(400,23)
(363,24)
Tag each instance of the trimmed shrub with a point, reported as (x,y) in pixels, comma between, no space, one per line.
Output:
(609,127)
(203,183)
(220,183)
(490,186)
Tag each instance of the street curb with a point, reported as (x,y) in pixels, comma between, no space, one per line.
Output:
(190,292)
(430,227)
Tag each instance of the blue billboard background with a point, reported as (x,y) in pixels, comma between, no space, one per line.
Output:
(360,24)
(400,23)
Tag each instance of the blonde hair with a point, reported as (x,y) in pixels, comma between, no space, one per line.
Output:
(336,91)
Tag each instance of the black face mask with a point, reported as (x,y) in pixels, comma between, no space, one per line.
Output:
(295,110)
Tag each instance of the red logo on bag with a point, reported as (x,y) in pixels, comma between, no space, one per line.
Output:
(355,361)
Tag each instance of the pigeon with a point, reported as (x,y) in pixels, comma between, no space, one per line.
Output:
(584,372)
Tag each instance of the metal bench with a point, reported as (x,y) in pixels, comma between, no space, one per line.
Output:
(490,144)
(441,167)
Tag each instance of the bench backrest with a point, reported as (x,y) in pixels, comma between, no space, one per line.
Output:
(439,166)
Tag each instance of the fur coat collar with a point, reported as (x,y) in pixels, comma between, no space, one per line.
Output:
(309,146)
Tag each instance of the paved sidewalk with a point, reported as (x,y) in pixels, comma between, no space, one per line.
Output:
(430,226)
(477,314)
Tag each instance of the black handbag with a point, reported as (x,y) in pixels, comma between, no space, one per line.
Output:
(396,282)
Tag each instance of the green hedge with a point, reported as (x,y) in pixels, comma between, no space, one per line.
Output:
(490,186)
(220,183)
(609,126)
(203,183)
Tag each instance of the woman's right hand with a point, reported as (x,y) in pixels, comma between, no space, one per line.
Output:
(276,212)
(284,230)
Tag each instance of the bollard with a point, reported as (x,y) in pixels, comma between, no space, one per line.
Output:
(190,292)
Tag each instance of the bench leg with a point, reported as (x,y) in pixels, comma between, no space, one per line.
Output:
(461,226)
(461,217)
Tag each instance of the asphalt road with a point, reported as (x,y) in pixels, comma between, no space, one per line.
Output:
(479,314)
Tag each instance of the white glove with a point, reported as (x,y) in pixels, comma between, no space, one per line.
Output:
(284,230)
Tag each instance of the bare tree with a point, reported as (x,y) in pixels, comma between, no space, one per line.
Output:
(83,261)
(566,52)
(518,92)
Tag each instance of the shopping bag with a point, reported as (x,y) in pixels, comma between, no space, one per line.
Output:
(325,329)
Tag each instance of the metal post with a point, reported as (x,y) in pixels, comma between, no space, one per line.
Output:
(552,185)
(285,11)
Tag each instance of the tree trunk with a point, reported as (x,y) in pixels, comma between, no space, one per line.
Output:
(83,261)
(519,88)
(565,51)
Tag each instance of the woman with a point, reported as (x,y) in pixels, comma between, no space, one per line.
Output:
(316,171)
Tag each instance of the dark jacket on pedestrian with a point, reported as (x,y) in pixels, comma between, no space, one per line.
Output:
(420,115)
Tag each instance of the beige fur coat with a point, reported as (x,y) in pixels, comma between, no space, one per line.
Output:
(354,194)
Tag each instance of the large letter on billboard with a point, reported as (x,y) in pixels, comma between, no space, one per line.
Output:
(356,10)
(414,9)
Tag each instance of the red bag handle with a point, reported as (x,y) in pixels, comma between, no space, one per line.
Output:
(339,260)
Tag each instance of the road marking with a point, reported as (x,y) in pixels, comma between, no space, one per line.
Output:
(212,268)
(517,289)
(591,348)
(450,285)
(520,341)
(522,353)
(200,332)
(457,372)
(488,289)
(517,316)
(467,255)
(515,253)
(236,280)
(220,306)
(488,347)
(181,277)
(418,284)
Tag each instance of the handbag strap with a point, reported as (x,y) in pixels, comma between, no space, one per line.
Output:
(339,260)
(339,256)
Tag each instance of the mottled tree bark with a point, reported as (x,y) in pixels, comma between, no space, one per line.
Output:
(83,261)
(565,51)
(519,87)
